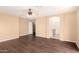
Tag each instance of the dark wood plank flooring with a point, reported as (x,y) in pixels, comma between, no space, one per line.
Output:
(29,44)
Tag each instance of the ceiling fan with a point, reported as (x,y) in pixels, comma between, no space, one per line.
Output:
(29,15)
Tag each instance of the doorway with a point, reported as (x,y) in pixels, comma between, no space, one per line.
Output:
(31,28)
(54,27)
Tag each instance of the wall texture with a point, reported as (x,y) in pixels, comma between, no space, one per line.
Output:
(8,27)
(77,30)
(23,27)
(41,27)
(12,27)
(68,26)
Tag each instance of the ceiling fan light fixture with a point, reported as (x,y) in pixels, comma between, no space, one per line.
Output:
(29,12)
(30,17)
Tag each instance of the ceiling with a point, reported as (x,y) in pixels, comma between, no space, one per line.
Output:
(37,10)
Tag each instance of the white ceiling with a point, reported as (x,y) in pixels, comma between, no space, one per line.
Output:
(37,10)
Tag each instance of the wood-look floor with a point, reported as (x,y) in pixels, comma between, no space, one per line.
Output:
(29,44)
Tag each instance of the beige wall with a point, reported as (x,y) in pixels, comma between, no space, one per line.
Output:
(77,30)
(12,27)
(41,27)
(8,27)
(23,27)
(68,27)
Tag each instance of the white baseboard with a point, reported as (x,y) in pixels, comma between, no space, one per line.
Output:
(68,40)
(23,34)
(63,40)
(2,40)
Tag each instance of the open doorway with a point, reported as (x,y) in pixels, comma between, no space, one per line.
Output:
(54,27)
(31,28)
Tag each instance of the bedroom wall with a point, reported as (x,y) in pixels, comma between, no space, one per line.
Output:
(8,27)
(77,30)
(23,27)
(11,27)
(41,27)
(68,26)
